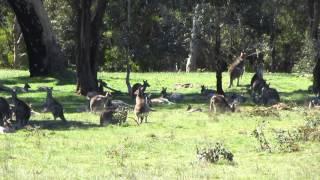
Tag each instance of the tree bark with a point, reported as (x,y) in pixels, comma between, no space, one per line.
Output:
(314,25)
(194,42)
(274,63)
(219,62)
(128,51)
(89,32)
(45,56)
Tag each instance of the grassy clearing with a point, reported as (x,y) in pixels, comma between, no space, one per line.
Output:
(165,147)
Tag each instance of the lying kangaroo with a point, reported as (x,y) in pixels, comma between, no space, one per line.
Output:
(21,110)
(137,86)
(205,91)
(174,97)
(269,96)
(218,103)
(53,106)
(5,112)
(100,102)
(236,69)
(141,109)
(24,89)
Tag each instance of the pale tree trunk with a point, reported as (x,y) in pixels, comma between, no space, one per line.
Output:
(45,55)
(20,57)
(89,33)
(194,42)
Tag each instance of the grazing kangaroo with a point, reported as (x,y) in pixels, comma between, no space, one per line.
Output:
(141,109)
(5,112)
(21,110)
(137,86)
(24,89)
(53,106)
(236,69)
(174,97)
(269,96)
(218,103)
(100,102)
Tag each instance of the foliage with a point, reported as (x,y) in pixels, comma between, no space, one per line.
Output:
(214,154)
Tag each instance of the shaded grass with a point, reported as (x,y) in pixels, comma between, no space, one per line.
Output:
(165,147)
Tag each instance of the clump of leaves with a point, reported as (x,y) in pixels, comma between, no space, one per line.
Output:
(260,136)
(287,141)
(214,154)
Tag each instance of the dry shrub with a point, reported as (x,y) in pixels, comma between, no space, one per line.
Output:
(264,112)
(258,133)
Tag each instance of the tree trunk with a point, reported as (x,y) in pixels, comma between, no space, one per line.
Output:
(128,51)
(219,61)
(314,20)
(89,32)
(274,63)
(45,56)
(194,42)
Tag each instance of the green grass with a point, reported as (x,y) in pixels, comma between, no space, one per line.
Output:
(164,148)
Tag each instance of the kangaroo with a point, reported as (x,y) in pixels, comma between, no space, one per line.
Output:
(174,97)
(269,96)
(141,109)
(191,110)
(218,103)
(100,102)
(236,69)
(24,89)
(205,91)
(53,106)
(21,110)
(137,86)
(5,112)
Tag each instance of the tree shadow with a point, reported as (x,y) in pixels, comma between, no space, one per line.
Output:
(62,126)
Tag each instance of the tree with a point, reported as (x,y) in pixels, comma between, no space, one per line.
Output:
(314,19)
(90,16)
(45,56)
(194,42)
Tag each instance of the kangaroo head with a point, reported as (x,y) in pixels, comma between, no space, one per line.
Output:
(49,91)
(26,86)
(203,88)
(233,107)
(140,93)
(102,83)
(164,92)
(14,93)
(243,55)
(145,83)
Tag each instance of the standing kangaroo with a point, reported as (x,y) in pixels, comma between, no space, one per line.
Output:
(236,69)
(53,106)
(21,110)
(5,112)
(137,86)
(141,109)
(218,103)
(100,102)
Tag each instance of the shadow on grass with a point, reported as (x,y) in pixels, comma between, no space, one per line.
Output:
(62,126)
